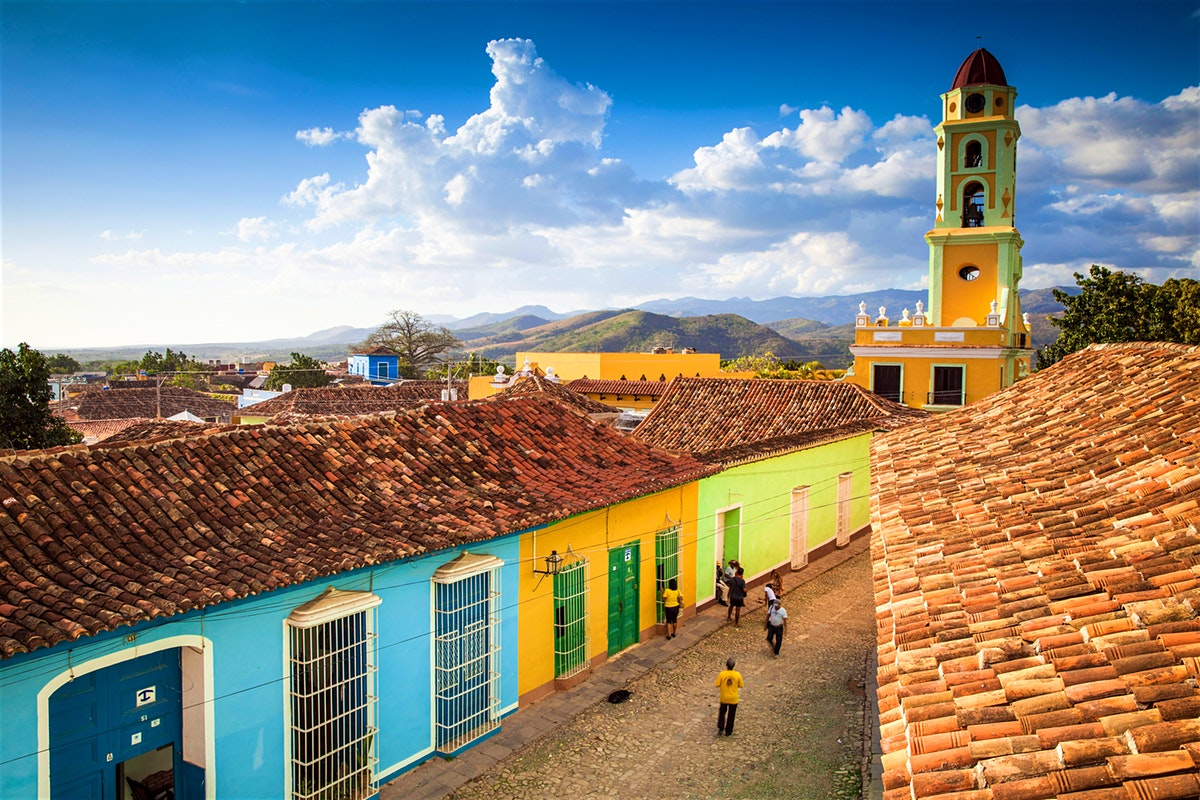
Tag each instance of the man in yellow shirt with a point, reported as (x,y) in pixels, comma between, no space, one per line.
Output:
(729,682)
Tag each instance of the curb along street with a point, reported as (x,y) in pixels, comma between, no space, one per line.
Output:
(803,730)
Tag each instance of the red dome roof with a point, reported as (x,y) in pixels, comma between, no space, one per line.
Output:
(980,67)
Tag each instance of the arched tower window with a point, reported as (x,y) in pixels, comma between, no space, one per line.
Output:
(974,154)
(973,200)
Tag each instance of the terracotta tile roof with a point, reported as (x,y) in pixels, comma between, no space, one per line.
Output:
(144,402)
(349,400)
(536,384)
(1037,576)
(95,538)
(619,388)
(736,419)
(97,430)
(137,429)
(148,430)
(377,350)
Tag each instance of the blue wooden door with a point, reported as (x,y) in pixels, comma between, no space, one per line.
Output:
(109,716)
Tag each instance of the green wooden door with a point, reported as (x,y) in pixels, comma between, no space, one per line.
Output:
(623,629)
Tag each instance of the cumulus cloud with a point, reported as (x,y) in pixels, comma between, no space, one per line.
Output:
(1111,180)
(116,236)
(523,201)
(251,229)
(320,137)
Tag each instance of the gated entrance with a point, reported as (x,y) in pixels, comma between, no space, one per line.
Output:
(623,579)
(116,726)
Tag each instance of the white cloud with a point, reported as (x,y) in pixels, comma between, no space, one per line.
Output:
(254,228)
(1111,180)
(522,196)
(127,236)
(321,137)
(522,203)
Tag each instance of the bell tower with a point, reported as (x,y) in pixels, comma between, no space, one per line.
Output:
(974,247)
(972,339)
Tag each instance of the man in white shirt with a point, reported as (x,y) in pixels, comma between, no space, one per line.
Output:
(776,624)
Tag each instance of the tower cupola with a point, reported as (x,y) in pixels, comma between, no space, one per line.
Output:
(980,68)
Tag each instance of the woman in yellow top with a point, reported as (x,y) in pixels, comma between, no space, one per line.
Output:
(672,602)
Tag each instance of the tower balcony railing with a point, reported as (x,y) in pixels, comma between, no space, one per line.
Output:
(918,330)
(946,397)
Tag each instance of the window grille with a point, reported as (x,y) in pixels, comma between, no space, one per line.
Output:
(799,527)
(331,696)
(844,488)
(666,565)
(947,386)
(570,619)
(467,650)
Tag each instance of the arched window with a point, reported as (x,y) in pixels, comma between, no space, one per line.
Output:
(974,154)
(973,202)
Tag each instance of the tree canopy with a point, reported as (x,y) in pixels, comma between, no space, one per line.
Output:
(62,364)
(183,371)
(770,366)
(472,364)
(1116,306)
(305,372)
(420,344)
(26,422)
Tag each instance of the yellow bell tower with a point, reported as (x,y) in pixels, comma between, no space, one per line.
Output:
(972,339)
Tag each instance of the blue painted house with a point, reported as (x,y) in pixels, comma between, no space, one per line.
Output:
(281,611)
(379,365)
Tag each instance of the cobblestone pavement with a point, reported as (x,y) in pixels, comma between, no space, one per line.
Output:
(800,722)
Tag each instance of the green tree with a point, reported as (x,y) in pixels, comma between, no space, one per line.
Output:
(62,364)
(183,371)
(1116,306)
(769,365)
(420,344)
(471,364)
(26,422)
(305,372)
(1175,312)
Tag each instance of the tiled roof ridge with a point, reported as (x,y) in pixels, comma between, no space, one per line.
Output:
(96,538)
(615,386)
(536,385)
(782,445)
(352,399)
(145,401)
(708,415)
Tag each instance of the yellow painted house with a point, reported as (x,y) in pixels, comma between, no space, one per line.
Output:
(614,374)
(604,595)
(972,339)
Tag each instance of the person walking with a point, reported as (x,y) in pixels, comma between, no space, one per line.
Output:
(721,589)
(729,682)
(737,598)
(772,589)
(776,624)
(672,602)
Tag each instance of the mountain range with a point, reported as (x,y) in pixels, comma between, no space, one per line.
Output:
(801,328)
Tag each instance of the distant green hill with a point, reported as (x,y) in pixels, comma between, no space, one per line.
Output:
(640,331)
(507,327)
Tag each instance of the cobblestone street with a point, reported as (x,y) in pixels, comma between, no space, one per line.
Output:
(800,722)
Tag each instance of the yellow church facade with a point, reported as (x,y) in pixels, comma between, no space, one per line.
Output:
(971,339)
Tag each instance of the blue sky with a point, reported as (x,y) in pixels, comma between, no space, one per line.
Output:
(176,173)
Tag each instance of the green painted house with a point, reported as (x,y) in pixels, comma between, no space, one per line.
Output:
(795,455)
